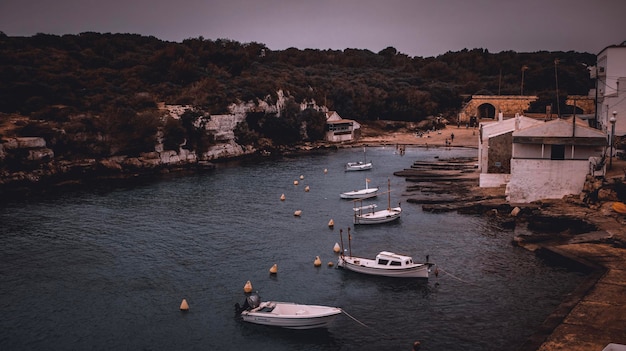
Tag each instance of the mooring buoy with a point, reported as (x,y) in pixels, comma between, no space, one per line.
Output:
(336,248)
(184,306)
(248,287)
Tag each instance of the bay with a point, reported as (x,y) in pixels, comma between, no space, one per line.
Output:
(107,267)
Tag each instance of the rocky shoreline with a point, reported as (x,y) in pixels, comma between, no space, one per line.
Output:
(42,172)
(580,232)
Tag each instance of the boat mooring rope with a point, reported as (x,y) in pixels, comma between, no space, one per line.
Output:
(455,277)
(361,323)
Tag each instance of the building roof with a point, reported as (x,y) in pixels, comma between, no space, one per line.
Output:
(493,129)
(560,131)
(340,121)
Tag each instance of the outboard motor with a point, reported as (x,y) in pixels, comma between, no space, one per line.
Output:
(252,301)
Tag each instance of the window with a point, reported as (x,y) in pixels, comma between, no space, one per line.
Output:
(396,263)
(557,152)
(383,262)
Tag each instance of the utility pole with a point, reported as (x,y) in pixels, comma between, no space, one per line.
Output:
(556,78)
(524,68)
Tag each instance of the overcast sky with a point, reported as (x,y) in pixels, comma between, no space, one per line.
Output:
(414,27)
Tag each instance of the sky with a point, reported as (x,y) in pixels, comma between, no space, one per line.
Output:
(418,28)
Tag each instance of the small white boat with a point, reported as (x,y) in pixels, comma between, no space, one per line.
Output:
(287,314)
(358,166)
(376,217)
(359,194)
(368,214)
(387,264)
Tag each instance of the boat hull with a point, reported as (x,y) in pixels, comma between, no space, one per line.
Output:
(292,316)
(358,166)
(367,266)
(377,217)
(359,194)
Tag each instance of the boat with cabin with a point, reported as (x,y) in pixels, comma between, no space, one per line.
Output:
(385,264)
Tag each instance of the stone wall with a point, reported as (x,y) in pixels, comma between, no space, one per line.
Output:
(533,180)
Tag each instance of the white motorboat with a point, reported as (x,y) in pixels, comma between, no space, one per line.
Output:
(369,215)
(360,165)
(359,194)
(387,264)
(287,314)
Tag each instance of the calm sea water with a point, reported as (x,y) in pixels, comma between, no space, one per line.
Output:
(106,268)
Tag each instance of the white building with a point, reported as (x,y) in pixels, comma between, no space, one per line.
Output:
(494,148)
(339,129)
(552,159)
(610,75)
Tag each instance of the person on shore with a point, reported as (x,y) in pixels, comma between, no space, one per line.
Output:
(451,137)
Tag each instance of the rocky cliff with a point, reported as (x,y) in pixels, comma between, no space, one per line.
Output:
(29,162)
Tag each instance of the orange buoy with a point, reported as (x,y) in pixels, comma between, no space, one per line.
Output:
(184,306)
(297,213)
(295,182)
(274,269)
(317,261)
(330,264)
(306,188)
(331,223)
(248,287)
(282,197)
(337,248)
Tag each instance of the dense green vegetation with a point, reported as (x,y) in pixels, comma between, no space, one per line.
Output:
(109,84)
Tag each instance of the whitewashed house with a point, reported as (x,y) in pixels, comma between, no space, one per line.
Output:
(495,148)
(610,75)
(339,129)
(552,159)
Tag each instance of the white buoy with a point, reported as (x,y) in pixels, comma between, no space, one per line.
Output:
(331,223)
(295,182)
(274,269)
(317,261)
(306,189)
(184,306)
(325,170)
(282,197)
(337,248)
(297,213)
(301,177)
(248,287)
